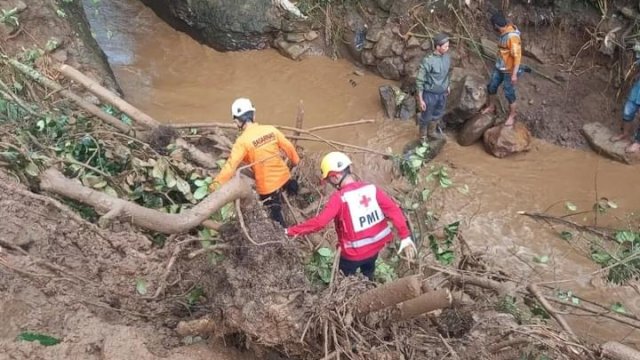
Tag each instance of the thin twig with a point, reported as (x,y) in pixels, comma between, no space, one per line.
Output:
(533,288)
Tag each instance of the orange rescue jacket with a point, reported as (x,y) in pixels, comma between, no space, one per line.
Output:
(260,145)
(509,48)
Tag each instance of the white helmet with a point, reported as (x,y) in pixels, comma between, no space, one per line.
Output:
(334,162)
(241,106)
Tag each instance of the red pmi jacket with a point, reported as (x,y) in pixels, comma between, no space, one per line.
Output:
(360,212)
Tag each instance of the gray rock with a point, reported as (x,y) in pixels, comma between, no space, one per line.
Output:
(369,44)
(426,45)
(410,53)
(367,58)
(407,108)
(382,49)
(413,42)
(292,51)
(226,24)
(311,35)
(399,64)
(385,4)
(468,97)
(296,25)
(501,141)
(388,69)
(294,37)
(474,128)
(397,46)
(598,137)
(388,100)
(375,34)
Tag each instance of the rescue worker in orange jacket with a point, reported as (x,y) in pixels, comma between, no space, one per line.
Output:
(260,146)
(360,212)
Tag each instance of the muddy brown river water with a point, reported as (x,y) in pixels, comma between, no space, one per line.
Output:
(177,80)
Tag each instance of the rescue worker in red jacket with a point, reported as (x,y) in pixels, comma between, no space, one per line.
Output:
(260,146)
(360,212)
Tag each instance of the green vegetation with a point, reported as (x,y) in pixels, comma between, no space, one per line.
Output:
(319,267)
(43,339)
(444,250)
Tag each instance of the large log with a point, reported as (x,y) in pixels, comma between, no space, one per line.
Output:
(388,294)
(52,85)
(422,304)
(105,95)
(616,351)
(53,181)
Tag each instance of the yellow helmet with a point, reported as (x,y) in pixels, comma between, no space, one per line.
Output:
(334,161)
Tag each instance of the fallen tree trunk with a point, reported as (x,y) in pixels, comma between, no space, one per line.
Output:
(616,351)
(424,303)
(388,294)
(199,157)
(53,181)
(52,85)
(105,95)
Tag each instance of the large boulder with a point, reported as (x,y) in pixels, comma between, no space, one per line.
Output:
(390,68)
(292,50)
(468,97)
(474,128)
(224,24)
(598,137)
(391,97)
(501,141)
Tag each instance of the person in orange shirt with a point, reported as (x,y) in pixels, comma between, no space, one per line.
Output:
(260,146)
(507,67)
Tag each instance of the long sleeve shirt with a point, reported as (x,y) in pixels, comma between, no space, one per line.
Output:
(260,145)
(433,74)
(359,211)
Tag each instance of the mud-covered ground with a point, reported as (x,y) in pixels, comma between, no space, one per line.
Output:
(74,281)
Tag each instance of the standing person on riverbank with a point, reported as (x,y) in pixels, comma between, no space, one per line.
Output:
(629,112)
(507,67)
(432,88)
(260,146)
(360,212)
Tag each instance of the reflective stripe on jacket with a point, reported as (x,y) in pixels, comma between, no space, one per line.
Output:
(260,145)
(360,213)
(509,49)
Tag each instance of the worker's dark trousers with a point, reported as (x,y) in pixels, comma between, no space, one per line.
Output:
(366,266)
(273,201)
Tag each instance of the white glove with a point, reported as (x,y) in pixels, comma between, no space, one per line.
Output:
(408,247)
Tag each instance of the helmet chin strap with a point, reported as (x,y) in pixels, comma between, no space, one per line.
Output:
(339,184)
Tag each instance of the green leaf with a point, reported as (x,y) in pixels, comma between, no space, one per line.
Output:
(570,206)
(625,236)
(600,257)
(425,194)
(445,182)
(566,235)
(575,300)
(543,259)
(201,193)
(141,287)
(324,252)
(170,178)
(619,308)
(43,339)
(159,169)
(31,169)
(199,182)
(464,189)
(415,163)
(183,186)
(110,191)
(100,185)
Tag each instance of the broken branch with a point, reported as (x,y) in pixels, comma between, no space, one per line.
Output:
(53,181)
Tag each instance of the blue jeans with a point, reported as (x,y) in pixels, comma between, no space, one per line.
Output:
(436,104)
(629,114)
(498,77)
